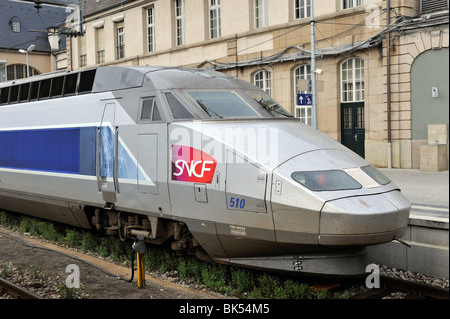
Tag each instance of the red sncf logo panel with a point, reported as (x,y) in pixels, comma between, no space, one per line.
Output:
(192,165)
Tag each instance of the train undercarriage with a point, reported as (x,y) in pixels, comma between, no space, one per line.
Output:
(154,230)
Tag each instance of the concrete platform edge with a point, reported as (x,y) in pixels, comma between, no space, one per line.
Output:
(429,251)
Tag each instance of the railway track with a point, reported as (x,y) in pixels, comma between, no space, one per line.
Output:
(17,292)
(388,285)
(415,290)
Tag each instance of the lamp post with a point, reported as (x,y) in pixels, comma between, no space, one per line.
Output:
(30,48)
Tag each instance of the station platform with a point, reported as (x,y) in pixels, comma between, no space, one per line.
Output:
(428,192)
(428,227)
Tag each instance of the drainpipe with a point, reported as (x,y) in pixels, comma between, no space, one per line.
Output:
(388,62)
(313,68)
(71,57)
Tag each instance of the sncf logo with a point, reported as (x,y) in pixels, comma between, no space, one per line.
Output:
(192,165)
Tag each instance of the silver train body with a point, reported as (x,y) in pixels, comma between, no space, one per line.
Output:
(198,159)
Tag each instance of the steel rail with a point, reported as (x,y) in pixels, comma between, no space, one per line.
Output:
(389,285)
(17,291)
(415,287)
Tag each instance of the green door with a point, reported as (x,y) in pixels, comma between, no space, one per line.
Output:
(352,126)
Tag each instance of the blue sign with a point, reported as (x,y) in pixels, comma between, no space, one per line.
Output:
(304,99)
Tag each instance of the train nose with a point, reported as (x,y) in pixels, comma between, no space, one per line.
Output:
(364,220)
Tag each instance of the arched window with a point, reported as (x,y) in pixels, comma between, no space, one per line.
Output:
(19,71)
(352,80)
(303,112)
(263,81)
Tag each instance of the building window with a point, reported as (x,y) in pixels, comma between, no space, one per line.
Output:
(347,4)
(214,19)
(303,112)
(83,60)
(11,72)
(352,80)
(18,71)
(2,72)
(151,44)
(302,9)
(16,26)
(120,40)
(179,22)
(262,80)
(261,13)
(360,117)
(83,55)
(100,45)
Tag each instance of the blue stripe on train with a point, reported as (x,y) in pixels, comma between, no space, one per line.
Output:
(66,150)
(63,150)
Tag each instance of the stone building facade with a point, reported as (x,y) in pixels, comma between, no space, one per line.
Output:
(268,43)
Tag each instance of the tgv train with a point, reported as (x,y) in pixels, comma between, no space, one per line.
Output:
(196,159)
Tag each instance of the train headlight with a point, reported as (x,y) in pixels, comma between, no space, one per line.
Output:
(379,177)
(332,180)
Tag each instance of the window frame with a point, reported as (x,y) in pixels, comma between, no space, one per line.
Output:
(154,105)
(151,28)
(100,44)
(266,80)
(21,71)
(261,14)
(302,9)
(179,15)
(349,4)
(214,10)
(301,72)
(120,39)
(172,107)
(355,86)
(2,71)
(83,52)
(15,26)
(12,73)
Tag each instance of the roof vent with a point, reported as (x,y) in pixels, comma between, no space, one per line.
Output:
(429,6)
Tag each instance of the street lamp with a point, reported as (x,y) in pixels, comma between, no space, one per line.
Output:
(30,48)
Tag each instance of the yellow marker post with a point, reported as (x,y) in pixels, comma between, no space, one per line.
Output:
(140,249)
(140,270)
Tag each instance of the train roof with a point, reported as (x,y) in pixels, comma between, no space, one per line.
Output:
(112,78)
(162,78)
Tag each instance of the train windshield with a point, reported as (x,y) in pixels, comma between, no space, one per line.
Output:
(269,104)
(221,104)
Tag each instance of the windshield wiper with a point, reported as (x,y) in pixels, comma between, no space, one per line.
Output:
(270,109)
(207,109)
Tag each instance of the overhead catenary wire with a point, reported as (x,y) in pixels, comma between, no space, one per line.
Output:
(273,57)
(373,40)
